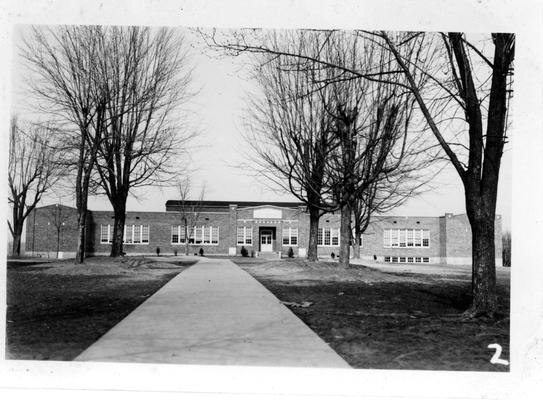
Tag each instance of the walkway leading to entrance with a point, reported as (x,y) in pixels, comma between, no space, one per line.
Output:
(214,313)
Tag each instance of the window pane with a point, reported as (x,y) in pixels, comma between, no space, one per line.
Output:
(294,236)
(327,236)
(335,237)
(145,233)
(418,237)
(175,233)
(207,234)
(286,236)
(137,233)
(425,238)
(394,238)
(104,230)
(240,235)
(198,233)
(403,234)
(215,235)
(319,237)
(410,238)
(248,235)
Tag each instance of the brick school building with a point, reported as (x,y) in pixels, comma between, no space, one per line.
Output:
(263,228)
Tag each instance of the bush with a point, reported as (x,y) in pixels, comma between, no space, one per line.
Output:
(333,255)
(201,252)
(290,252)
(175,252)
(244,252)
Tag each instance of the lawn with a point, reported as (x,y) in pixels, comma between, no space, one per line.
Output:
(56,310)
(389,320)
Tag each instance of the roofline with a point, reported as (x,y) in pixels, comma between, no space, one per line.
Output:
(227,204)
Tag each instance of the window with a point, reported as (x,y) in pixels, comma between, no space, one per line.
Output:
(290,236)
(206,235)
(178,234)
(406,238)
(145,234)
(402,259)
(245,235)
(328,237)
(106,233)
(128,233)
(136,234)
(175,233)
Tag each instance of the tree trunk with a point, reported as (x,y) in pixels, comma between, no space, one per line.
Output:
(186,238)
(81,227)
(312,248)
(345,235)
(58,241)
(118,230)
(356,245)
(484,300)
(16,245)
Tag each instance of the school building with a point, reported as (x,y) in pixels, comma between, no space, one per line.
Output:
(267,229)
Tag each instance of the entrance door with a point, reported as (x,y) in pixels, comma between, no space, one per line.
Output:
(266,241)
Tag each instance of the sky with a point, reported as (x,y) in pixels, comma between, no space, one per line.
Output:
(216,115)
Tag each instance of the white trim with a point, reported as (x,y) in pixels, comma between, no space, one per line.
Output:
(245,235)
(193,236)
(397,236)
(289,237)
(322,229)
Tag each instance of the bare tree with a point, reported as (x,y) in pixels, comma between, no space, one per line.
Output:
(33,168)
(289,130)
(146,76)
(469,96)
(189,211)
(477,82)
(58,218)
(63,65)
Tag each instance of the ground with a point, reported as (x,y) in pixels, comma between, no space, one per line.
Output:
(56,310)
(395,318)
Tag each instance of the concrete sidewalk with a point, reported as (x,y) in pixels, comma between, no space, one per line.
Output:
(214,313)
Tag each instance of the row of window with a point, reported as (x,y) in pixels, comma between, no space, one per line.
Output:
(406,238)
(139,234)
(328,237)
(407,259)
(199,235)
(133,234)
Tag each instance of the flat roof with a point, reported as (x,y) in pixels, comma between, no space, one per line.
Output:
(226,204)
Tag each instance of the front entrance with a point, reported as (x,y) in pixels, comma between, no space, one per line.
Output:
(266,239)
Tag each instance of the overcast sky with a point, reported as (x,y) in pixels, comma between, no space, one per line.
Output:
(217,114)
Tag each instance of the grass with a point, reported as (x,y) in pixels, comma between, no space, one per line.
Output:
(375,319)
(56,310)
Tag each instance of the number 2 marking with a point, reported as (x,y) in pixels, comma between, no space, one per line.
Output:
(496,357)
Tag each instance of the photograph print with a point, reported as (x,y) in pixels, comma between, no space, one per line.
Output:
(260,197)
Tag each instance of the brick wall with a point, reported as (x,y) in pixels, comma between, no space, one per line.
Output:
(450,235)
(41,231)
(160,225)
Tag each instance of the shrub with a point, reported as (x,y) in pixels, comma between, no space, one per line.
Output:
(244,251)
(333,255)
(201,252)
(175,252)
(290,252)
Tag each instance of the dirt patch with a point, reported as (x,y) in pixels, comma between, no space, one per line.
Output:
(310,272)
(57,310)
(390,321)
